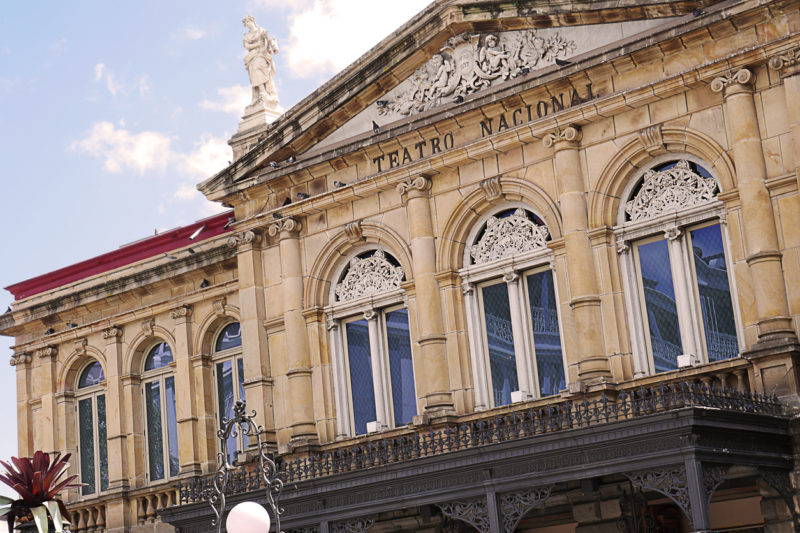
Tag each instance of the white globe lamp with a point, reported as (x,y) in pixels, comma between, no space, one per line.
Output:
(248,517)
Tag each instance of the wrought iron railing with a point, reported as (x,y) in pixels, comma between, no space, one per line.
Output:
(525,423)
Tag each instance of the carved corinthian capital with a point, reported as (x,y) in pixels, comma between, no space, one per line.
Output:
(286,226)
(420,183)
(741,77)
(47,352)
(570,134)
(787,59)
(184,311)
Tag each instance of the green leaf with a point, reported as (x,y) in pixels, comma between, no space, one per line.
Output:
(55,512)
(40,517)
(5,500)
(4,510)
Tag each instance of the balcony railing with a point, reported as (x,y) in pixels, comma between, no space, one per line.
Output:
(524,423)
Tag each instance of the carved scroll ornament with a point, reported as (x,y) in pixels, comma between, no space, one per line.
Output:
(673,188)
(369,275)
(473,512)
(470,63)
(511,235)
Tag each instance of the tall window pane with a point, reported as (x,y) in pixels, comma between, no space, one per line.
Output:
(229,337)
(102,442)
(714,292)
(240,367)
(225,397)
(662,313)
(86,425)
(546,337)
(155,445)
(500,341)
(360,374)
(172,426)
(404,397)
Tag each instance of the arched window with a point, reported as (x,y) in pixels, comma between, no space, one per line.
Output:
(512,311)
(371,344)
(159,402)
(229,377)
(92,437)
(675,268)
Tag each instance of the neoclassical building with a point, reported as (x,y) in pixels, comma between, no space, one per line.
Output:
(526,266)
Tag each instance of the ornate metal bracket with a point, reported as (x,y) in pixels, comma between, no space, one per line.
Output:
(779,480)
(515,505)
(473,512)
(671,482)
(242,422)
(358,525)
(713,476)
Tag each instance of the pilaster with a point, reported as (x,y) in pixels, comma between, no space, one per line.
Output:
(788,65)
(430,322)
(44,385)
(298,353)
(22,364)
(185,392)
(593,365)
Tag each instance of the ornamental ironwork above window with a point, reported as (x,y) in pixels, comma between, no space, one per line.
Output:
(509,233)
(673,186)
(369,273)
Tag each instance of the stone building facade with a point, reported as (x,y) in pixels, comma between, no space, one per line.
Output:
(529,266)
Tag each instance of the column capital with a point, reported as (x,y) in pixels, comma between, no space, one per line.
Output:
(672,233)
(511,277)
(623,248)
(733,82)
(21,359)
(416,185)
(287,227)
(112,334)
(563,138)
(182,312)
(249,237)
(48,352)
(787,63)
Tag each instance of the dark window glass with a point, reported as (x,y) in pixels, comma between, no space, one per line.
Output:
(155,444)
(226,400)
(500,341)
(91,375)
(86,430)
(102,442)
(229,337)
(546,337)
(714,292)
(662,313)
(404,397)
(172,425)
(160,355)
(360,374)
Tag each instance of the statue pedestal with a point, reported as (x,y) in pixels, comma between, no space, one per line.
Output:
(252,127)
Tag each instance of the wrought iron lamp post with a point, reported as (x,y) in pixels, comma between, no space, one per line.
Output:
(245,517)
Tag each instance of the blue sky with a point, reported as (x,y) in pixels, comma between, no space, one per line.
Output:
(112,112)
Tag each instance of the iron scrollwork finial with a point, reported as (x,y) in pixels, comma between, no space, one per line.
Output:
(243,423)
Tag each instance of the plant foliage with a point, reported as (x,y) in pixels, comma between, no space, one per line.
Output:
(37,480)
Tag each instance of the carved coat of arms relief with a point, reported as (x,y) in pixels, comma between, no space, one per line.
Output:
(469,63)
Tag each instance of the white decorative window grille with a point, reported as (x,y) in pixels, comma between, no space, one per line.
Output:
(676,272)
(371,345)
(512,310)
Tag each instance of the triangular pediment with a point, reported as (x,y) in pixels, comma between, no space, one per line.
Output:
(453,51)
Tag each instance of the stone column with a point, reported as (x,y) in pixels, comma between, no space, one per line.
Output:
(593,366)
(185,391)
(788,65)
(298,353)
(758,220)
(116,432)
(430,323)
(22,364)
(253,312)
(44,386)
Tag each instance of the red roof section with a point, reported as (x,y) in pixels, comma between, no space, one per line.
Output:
(125,255)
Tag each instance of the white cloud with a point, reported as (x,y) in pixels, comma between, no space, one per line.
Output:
(211,154)
(230,100)
(144,85)
(328,35)
(122,150)
(112,84)
(192,34)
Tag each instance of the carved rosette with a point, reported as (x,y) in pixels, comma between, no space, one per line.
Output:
(674,188)
(420,183)
(182,312)
(741,77)
(369,275)
(473,512)
(358,525)
(515,505)
(511,235)
(469,63)
(787,59)
(112,333)
(570,134)
(671,482)
(286,227)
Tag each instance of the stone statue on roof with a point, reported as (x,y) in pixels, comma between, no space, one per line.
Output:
(261,47)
